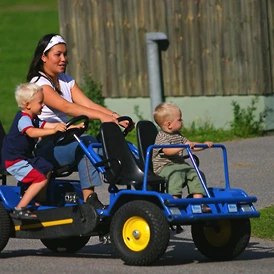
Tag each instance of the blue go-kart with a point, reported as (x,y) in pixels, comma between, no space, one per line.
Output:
(140,214)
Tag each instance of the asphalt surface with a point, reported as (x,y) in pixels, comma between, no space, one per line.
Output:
(251,164)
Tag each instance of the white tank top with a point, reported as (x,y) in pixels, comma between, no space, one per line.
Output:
(66,83)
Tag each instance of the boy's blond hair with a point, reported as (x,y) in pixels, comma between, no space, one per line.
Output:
(164,112)
(25,92)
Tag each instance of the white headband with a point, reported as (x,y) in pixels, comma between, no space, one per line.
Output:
(56,39)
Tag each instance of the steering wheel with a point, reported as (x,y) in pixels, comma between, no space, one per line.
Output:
(126,130)
(130,124)
(63,138)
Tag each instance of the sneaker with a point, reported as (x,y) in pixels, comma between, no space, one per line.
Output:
(206,209)
(178,229)
(93,200)
(105,239)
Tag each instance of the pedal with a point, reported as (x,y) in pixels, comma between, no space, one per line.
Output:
(177,228)
(105,239)
(71,198)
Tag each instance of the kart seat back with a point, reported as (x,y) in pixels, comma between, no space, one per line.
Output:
(3,172)
(146,134)
(121,166)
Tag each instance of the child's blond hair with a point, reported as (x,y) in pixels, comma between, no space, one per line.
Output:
(164,112)
(25,92)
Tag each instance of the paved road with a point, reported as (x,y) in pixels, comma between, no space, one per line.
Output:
(251,167)
(251,164)
(30,256)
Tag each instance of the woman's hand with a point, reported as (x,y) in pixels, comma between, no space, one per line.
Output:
(108,118)
(81,125)
(125,124)
(113,118)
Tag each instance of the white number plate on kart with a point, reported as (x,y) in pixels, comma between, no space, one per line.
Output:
(232,208)
(196,209)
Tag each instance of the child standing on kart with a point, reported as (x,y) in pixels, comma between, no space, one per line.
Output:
(169,162)
(18,146)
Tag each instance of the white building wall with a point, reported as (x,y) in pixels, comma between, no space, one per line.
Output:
(218,109)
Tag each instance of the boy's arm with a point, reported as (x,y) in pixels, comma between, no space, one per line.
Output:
(52,125)
(171,151)
(163,139)
(192,145)
(49,129)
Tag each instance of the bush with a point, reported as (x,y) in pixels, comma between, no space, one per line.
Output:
(201,131)
(93,90)
(245,124)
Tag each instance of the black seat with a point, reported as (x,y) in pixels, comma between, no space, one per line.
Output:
(120,164)
(3,172)
(146,134)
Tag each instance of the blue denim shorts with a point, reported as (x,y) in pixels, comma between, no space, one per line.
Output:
(72,154)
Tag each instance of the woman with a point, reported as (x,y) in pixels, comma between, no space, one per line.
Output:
(63,98)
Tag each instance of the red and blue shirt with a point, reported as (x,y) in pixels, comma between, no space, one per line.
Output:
(17,144)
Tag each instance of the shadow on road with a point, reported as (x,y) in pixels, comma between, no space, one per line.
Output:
(181,251)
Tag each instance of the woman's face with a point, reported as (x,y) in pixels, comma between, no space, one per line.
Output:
(56,60)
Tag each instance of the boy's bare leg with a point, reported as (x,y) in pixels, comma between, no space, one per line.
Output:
(197,195)
(31,192)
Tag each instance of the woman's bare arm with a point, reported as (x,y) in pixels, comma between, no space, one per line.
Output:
(54,100)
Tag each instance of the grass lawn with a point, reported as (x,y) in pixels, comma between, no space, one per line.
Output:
(262,227)
(22,24)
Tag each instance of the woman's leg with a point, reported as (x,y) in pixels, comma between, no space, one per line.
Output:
(72,154)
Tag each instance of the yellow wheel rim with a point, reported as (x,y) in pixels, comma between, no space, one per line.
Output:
(136,233)
(220,234)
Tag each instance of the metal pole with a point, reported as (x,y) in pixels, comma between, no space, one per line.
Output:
(155,43)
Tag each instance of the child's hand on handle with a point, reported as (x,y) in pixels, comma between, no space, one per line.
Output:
(209,144)
(60,127)
(191,144)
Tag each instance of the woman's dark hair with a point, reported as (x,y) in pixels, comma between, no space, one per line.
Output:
(36,64)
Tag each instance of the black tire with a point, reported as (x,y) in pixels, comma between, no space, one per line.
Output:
(223,239)
(66,245)
(5,227)
(139,232)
